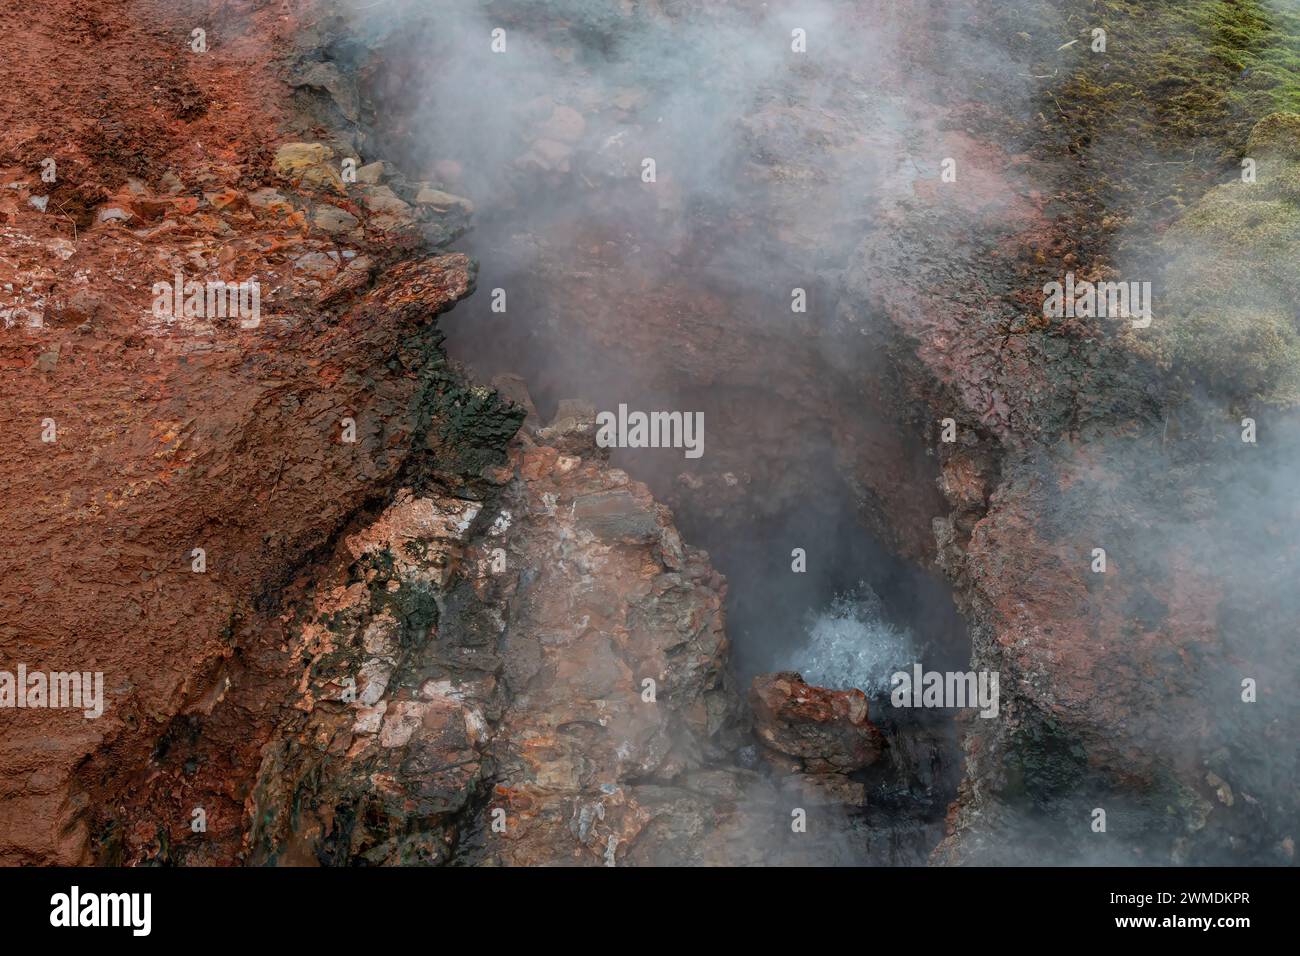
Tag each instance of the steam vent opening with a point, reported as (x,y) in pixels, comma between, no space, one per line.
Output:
(663,226)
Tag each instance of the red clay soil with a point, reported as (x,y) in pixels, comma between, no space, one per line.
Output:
(167,436)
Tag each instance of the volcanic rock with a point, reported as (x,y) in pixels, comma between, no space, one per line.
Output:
(535,667)
(308,164)
(827,729)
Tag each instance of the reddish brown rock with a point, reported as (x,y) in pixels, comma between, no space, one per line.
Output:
(827,729)
(141,438)
(532,668)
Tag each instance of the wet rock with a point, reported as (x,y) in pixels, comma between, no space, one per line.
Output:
(827,729)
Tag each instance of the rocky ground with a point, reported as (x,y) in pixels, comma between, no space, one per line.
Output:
(171,436)
(432,627)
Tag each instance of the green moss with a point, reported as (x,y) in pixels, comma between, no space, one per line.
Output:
(1166,110)
(1193,67)
(1230,315)
(473,424)
(1161,122)
(1276,135)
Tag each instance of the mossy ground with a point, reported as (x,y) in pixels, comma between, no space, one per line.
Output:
(1196,69)
(1168,108)
(1233,283)
(1160,123)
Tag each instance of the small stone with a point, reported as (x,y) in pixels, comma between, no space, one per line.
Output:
(372,174)
(1221,789)
(332,219)
(270,200)
(827,729)
(442,201)
(381,199)
(565,124)
(321,265)
(48,360)
(295,157)
(548,154)
(308,163)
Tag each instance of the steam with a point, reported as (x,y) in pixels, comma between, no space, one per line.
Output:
(770,161)
(777,132)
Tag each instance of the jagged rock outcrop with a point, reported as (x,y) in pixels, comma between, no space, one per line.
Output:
(542,681)
(827,730)
(273,448)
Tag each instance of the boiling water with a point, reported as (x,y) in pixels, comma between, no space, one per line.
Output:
(851,644)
